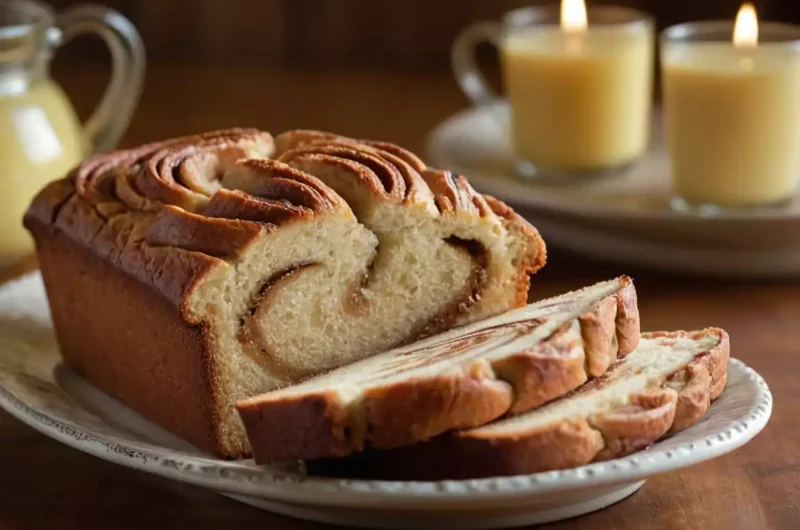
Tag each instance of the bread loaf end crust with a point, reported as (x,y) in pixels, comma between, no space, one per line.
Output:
(516,223)
(153,362)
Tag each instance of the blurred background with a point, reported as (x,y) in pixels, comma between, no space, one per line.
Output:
(246,57)
(385,35)
(363,68)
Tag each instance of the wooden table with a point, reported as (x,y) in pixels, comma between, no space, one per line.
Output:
(45,485)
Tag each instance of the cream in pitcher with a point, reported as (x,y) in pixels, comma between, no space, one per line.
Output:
(40,136)
(40,141)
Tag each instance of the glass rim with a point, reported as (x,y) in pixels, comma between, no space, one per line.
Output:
(721,31)
(548,15)
(38,16)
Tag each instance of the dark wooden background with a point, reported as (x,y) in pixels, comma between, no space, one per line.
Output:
(348,34)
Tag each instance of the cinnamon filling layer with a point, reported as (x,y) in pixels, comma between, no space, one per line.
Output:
(472,293)
(455,346)
(250,334)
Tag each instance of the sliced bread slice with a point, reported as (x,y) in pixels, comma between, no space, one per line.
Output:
(459,379)
(663,387)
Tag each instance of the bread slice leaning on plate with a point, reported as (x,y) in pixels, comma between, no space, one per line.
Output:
(663,387)
(459,379)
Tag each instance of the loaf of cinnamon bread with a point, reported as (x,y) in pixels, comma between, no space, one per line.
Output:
(188,274)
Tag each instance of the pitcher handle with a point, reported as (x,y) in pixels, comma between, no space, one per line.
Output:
(111,117)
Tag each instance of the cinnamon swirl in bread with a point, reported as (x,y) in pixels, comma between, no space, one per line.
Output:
(462,378)
(187,274)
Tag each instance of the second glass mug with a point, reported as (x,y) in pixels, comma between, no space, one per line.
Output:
(732,116)
(41,138)
(579,104)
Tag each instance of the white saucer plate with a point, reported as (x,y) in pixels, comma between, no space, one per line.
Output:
(625,218)
(39,390)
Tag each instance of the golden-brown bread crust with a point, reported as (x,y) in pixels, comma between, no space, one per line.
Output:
(81,289)
(117,196)
(109,202)
(167,215)
(418,408)
(514,222)
(320,425)
(676,405)
(628,320)
(299,137)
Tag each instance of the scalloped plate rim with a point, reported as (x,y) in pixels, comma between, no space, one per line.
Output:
(236,477)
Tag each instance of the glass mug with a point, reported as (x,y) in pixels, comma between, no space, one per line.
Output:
(579,102)
(731,115)
(41,138)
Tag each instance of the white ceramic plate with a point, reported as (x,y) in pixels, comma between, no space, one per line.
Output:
(629,213)
(39,390)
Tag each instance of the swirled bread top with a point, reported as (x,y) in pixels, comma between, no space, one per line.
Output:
(211,195)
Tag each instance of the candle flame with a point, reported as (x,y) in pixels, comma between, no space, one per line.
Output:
(573,15)
(745,30)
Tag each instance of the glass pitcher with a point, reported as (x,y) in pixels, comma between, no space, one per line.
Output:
(41,138)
